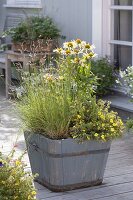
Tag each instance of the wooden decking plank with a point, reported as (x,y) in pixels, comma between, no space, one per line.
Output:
(129,151)
(118,174)
(122,169)
(123,196)
(120,164)
(120,156)
(118,179)
(46,194)
(98,193)
(113,182)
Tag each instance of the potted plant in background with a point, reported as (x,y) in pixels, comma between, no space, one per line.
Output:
(40,33)
(68,133)
(127,76)
(104,71)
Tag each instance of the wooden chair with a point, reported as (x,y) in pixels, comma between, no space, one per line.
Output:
(9,22)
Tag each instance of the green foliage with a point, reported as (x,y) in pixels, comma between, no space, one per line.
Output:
(15,183)
(106,77)
(97,122)
(34,28)
(129,124)
(127,76)
(75,64)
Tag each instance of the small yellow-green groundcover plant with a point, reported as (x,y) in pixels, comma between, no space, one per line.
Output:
(15,182)
(62,104)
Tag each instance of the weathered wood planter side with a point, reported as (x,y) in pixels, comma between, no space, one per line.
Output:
(66,164)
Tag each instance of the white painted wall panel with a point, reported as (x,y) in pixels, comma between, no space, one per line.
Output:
(23,2)
(2,15)
(74,17)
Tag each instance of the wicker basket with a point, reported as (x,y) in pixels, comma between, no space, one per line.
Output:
(37,46)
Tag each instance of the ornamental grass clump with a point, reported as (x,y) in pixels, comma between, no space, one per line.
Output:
(63,105)
(47,107)
(15,182)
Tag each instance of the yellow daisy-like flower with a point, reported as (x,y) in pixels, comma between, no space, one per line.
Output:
(33,193)
(49,78)
(96,135)
(87,46)
(67,51)
(61,77)
(103,137)
(91,54)
(112,129)
(114,124)
(111,121)
(76,60)
(70,44)
(79,116)
(29,197)
(103,125)
(59,50)
(76,51)
(18,162)
(78,41)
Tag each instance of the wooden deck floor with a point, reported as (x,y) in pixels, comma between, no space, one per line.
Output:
(118,179)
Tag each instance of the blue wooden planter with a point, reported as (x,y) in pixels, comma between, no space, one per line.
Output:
(66,164)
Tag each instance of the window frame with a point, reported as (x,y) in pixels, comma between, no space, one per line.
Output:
(103,27)
(14,4)
(119,42)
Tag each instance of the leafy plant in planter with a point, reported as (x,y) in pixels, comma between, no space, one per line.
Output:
(59,110)
(127,76)
(34,30)
(103,69)
(15,183)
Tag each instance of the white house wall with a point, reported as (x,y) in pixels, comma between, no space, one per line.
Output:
(2,15)
(74,17)
(97,25)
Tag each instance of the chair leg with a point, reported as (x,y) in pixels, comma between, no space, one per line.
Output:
(8,76)
(3,72)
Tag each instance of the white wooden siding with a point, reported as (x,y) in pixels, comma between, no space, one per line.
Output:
(2,16)
(24,3)
(74,17)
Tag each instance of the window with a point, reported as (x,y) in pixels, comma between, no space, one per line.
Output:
(123,2)
(24,3)
(122,32)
